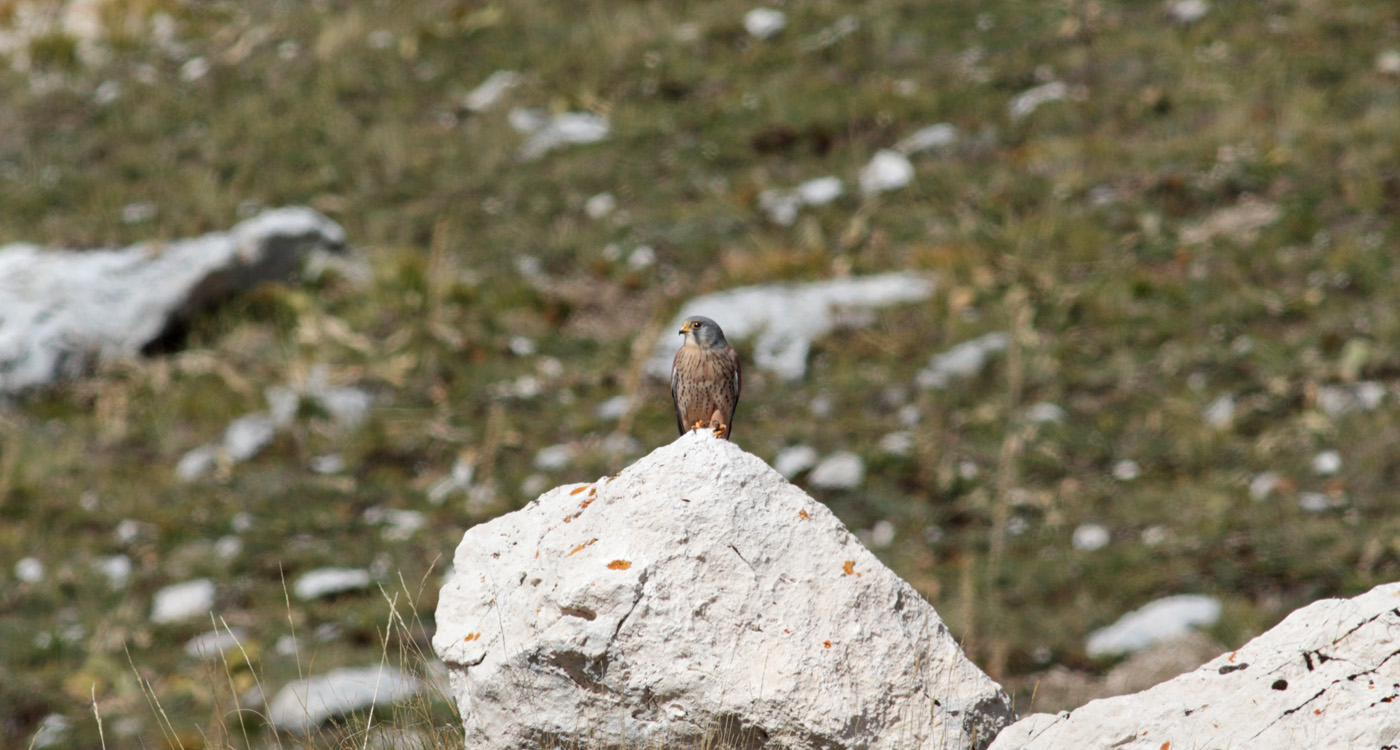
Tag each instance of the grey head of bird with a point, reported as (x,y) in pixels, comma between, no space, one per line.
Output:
(704,332)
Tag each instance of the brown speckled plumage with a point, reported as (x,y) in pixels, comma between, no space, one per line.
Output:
(705,378)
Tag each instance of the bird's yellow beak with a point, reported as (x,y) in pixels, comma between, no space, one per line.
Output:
(685,327)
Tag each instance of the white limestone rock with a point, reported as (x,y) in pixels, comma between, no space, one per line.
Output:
(61,310)
(1154,622)
(842,470)
(183,601)
(565,129)
(303,705)
(784,319)
(1325,678)
(764,23)
(962,361)
(696,590)
(320,582)
(888,170)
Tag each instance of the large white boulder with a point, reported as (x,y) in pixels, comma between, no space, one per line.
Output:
(1328,676)
(62,310)
(697,596)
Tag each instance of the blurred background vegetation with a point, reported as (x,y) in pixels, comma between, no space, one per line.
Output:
(1192,248)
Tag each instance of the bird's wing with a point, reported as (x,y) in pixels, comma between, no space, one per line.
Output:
(675,396)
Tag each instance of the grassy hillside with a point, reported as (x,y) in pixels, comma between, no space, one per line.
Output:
(1210,211)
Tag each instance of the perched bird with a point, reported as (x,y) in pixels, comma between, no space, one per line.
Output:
(705,378)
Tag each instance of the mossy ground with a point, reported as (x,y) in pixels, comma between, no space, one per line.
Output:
(1064,228)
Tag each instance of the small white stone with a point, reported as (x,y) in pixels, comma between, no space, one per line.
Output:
(600,206)
(282,404)
(116,568)
(1045,412)
(52,732)
(1388,62)
(1327,463)
(820,191)
(458,480)
(968,470)
(887,170)
(521,346)
(554,457)
(248,435)
(794,460)
(1017,525)
(764,23)
(898,443)
(1154,535)
(286,645)
(1188,11)
(243,522)
(128,531)
(403,523)
(1263,485)
(301,706)
(138,213)
(1090,537)
(211,645)
(613,409)
(928,139)
(197,463)
(331,463)
(909,415)
(1220,413)
(534,485)
(962,361)
(491,90)
(194,69)
(1315,502)
(182,601)
(228,547)
(1156,621)
(839,471)
(380,39)
(1029,100)
(569,128)
(882,534)
(106,93)
(321,582)
(348,407)
(643,257)
(29,570)
(1126,470)
(781,206)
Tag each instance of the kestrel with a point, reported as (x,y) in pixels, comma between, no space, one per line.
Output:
(705,378)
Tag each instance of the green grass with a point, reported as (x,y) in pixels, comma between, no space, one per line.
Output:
(1063,228)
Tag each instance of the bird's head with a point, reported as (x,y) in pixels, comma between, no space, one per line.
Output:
(704,332)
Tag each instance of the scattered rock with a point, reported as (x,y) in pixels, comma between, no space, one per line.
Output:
(962,361)
(1388,62)
(211,646)
(764,23)
(459,480)
(322,582)
(1026,102)
(1153,622)
(1126,470)
(29,570)
(182,601)
(900,443)
(1340,400)
(1045,413)
(565,129)
(1220,413)
(491,90)
(1324,678)
(1263,485)
(1187,11)
(613,409)
(600,206)
(1327,463)
(782,206)
(784,319)
(331,463)
(839,471)
(61,311)
(1060,688)
(117,569)
(303,705)
(880,536)
(554,457)
(695,592)
(1090,537)
(794,460)
(929,138)
(1240,222)
(888,170)
(52,732)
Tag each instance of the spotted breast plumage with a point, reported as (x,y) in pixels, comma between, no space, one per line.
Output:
(705,378)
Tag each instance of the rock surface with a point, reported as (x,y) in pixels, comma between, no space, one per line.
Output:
(698,595)
(302,705)
(61,310)
(1328,676)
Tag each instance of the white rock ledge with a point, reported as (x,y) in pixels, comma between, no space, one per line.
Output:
(697,592)
(1326,677)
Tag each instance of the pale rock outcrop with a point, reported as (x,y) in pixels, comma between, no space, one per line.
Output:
(303,705)
(697,596)
(61,310)
(1328,676)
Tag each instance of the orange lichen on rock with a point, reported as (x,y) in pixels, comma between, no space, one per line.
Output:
(577,490)
(619,565)
(826,644)
(581,546)
(587,502)
(803,514)
(849,567)
(471,637)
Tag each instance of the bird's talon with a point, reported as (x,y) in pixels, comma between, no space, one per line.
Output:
(721,430)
